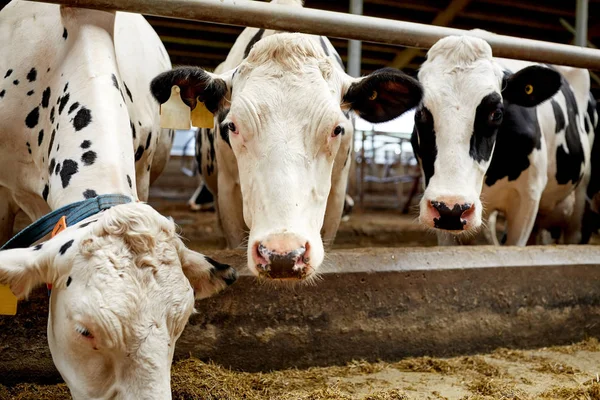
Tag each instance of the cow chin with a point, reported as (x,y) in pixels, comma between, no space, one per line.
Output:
(453,214)
(285,256)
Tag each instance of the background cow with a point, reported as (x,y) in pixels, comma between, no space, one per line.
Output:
(282,141)
(486,141)
(73,96)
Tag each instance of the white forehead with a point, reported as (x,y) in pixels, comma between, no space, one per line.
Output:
(459,72)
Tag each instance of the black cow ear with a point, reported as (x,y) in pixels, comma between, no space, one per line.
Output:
(531,86)
(383,95)
(195,84)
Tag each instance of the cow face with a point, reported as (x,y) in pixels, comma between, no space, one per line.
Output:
(121,297)
(283,111)
(467,99)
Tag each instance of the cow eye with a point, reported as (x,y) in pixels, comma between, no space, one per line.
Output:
(496,116)
(339,130)
(231,127)
(83,331)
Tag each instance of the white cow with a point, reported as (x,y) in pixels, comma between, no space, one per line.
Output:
(74,92)
(487,139)
(283,139)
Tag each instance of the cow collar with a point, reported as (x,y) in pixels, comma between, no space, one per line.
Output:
(72,213)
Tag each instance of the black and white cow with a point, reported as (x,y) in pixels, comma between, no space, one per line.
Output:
(78,121)
(283,140)
(501,135)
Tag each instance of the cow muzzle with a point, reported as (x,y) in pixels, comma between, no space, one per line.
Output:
(454,215)
(283,257)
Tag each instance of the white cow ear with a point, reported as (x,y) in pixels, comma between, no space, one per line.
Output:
(196,85)
(206,275)
(24,269)
(531,86)
(383,95)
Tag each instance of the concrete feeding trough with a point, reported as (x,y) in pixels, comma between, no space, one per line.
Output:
(370,304)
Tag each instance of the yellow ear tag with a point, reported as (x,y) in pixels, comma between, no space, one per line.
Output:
(175,114)
(373,96)
(528,89)
(8,301)
(201,117)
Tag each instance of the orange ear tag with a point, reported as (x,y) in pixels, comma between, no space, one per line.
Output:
(60,226)
(201,117)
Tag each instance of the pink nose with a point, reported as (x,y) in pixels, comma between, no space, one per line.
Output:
(450,216)
(282,256)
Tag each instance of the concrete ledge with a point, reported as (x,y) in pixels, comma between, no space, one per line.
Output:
(372,304)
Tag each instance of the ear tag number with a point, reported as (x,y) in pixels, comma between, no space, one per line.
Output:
(201,117)
(175,114)
(373,95)
(528,89)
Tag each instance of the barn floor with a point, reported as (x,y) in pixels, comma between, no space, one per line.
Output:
(568,372)
(565,373)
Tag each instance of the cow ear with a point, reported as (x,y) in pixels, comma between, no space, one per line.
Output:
(206,275)
(24,269)
(531,86)
(195,84)
(383,95)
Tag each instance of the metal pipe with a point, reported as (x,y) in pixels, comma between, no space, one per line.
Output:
(581,23)
(354,46)
(341,25)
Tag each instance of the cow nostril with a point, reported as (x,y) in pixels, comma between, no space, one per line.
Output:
(454,218)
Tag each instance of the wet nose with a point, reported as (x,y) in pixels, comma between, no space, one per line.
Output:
(282,257)
(452,218)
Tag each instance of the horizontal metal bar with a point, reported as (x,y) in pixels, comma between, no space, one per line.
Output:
(340,25)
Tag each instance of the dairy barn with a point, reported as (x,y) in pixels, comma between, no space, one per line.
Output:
(318,200)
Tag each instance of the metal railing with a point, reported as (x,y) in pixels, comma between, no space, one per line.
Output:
(341,25)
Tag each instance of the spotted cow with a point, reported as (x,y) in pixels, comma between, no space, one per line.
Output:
(78,121)
(501,135)
(282,142)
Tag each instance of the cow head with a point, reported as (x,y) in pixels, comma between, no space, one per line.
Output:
(467,99)
(284,112)
(123,290)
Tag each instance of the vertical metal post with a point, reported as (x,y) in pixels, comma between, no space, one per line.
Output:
(581,23)
(354,46)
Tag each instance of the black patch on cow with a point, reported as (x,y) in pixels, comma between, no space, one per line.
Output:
(10,71)
(30,93)
(66,87)
(253,41)
(51,141)
(69,280)
(87,223)
(591,109)
(57,147)
(52,115)
(223,128)
(484,130)
(90,194)
(16,82)
(139,153)
(69,169)
(57,170)
(423,142)
(46,98)
(28,147)
(65,34)
(148,168)
(46,192)
(517,137)
(82,119)
(51,166)
(38,247)
(148,140)
(450,219)
(2,93)
(116,84)
(347,156)
(129,182)
(86,144)
(199,134)
(63,249)
(63,102)
(73,107)
(559,117)
(89,157)
(212,154)
(217,265)
(569,161)
(594,184)
(128,92)
(33,118)
(48,70)
(324,45)
(40,137)
(32,75)
(132,129)
(139,123)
